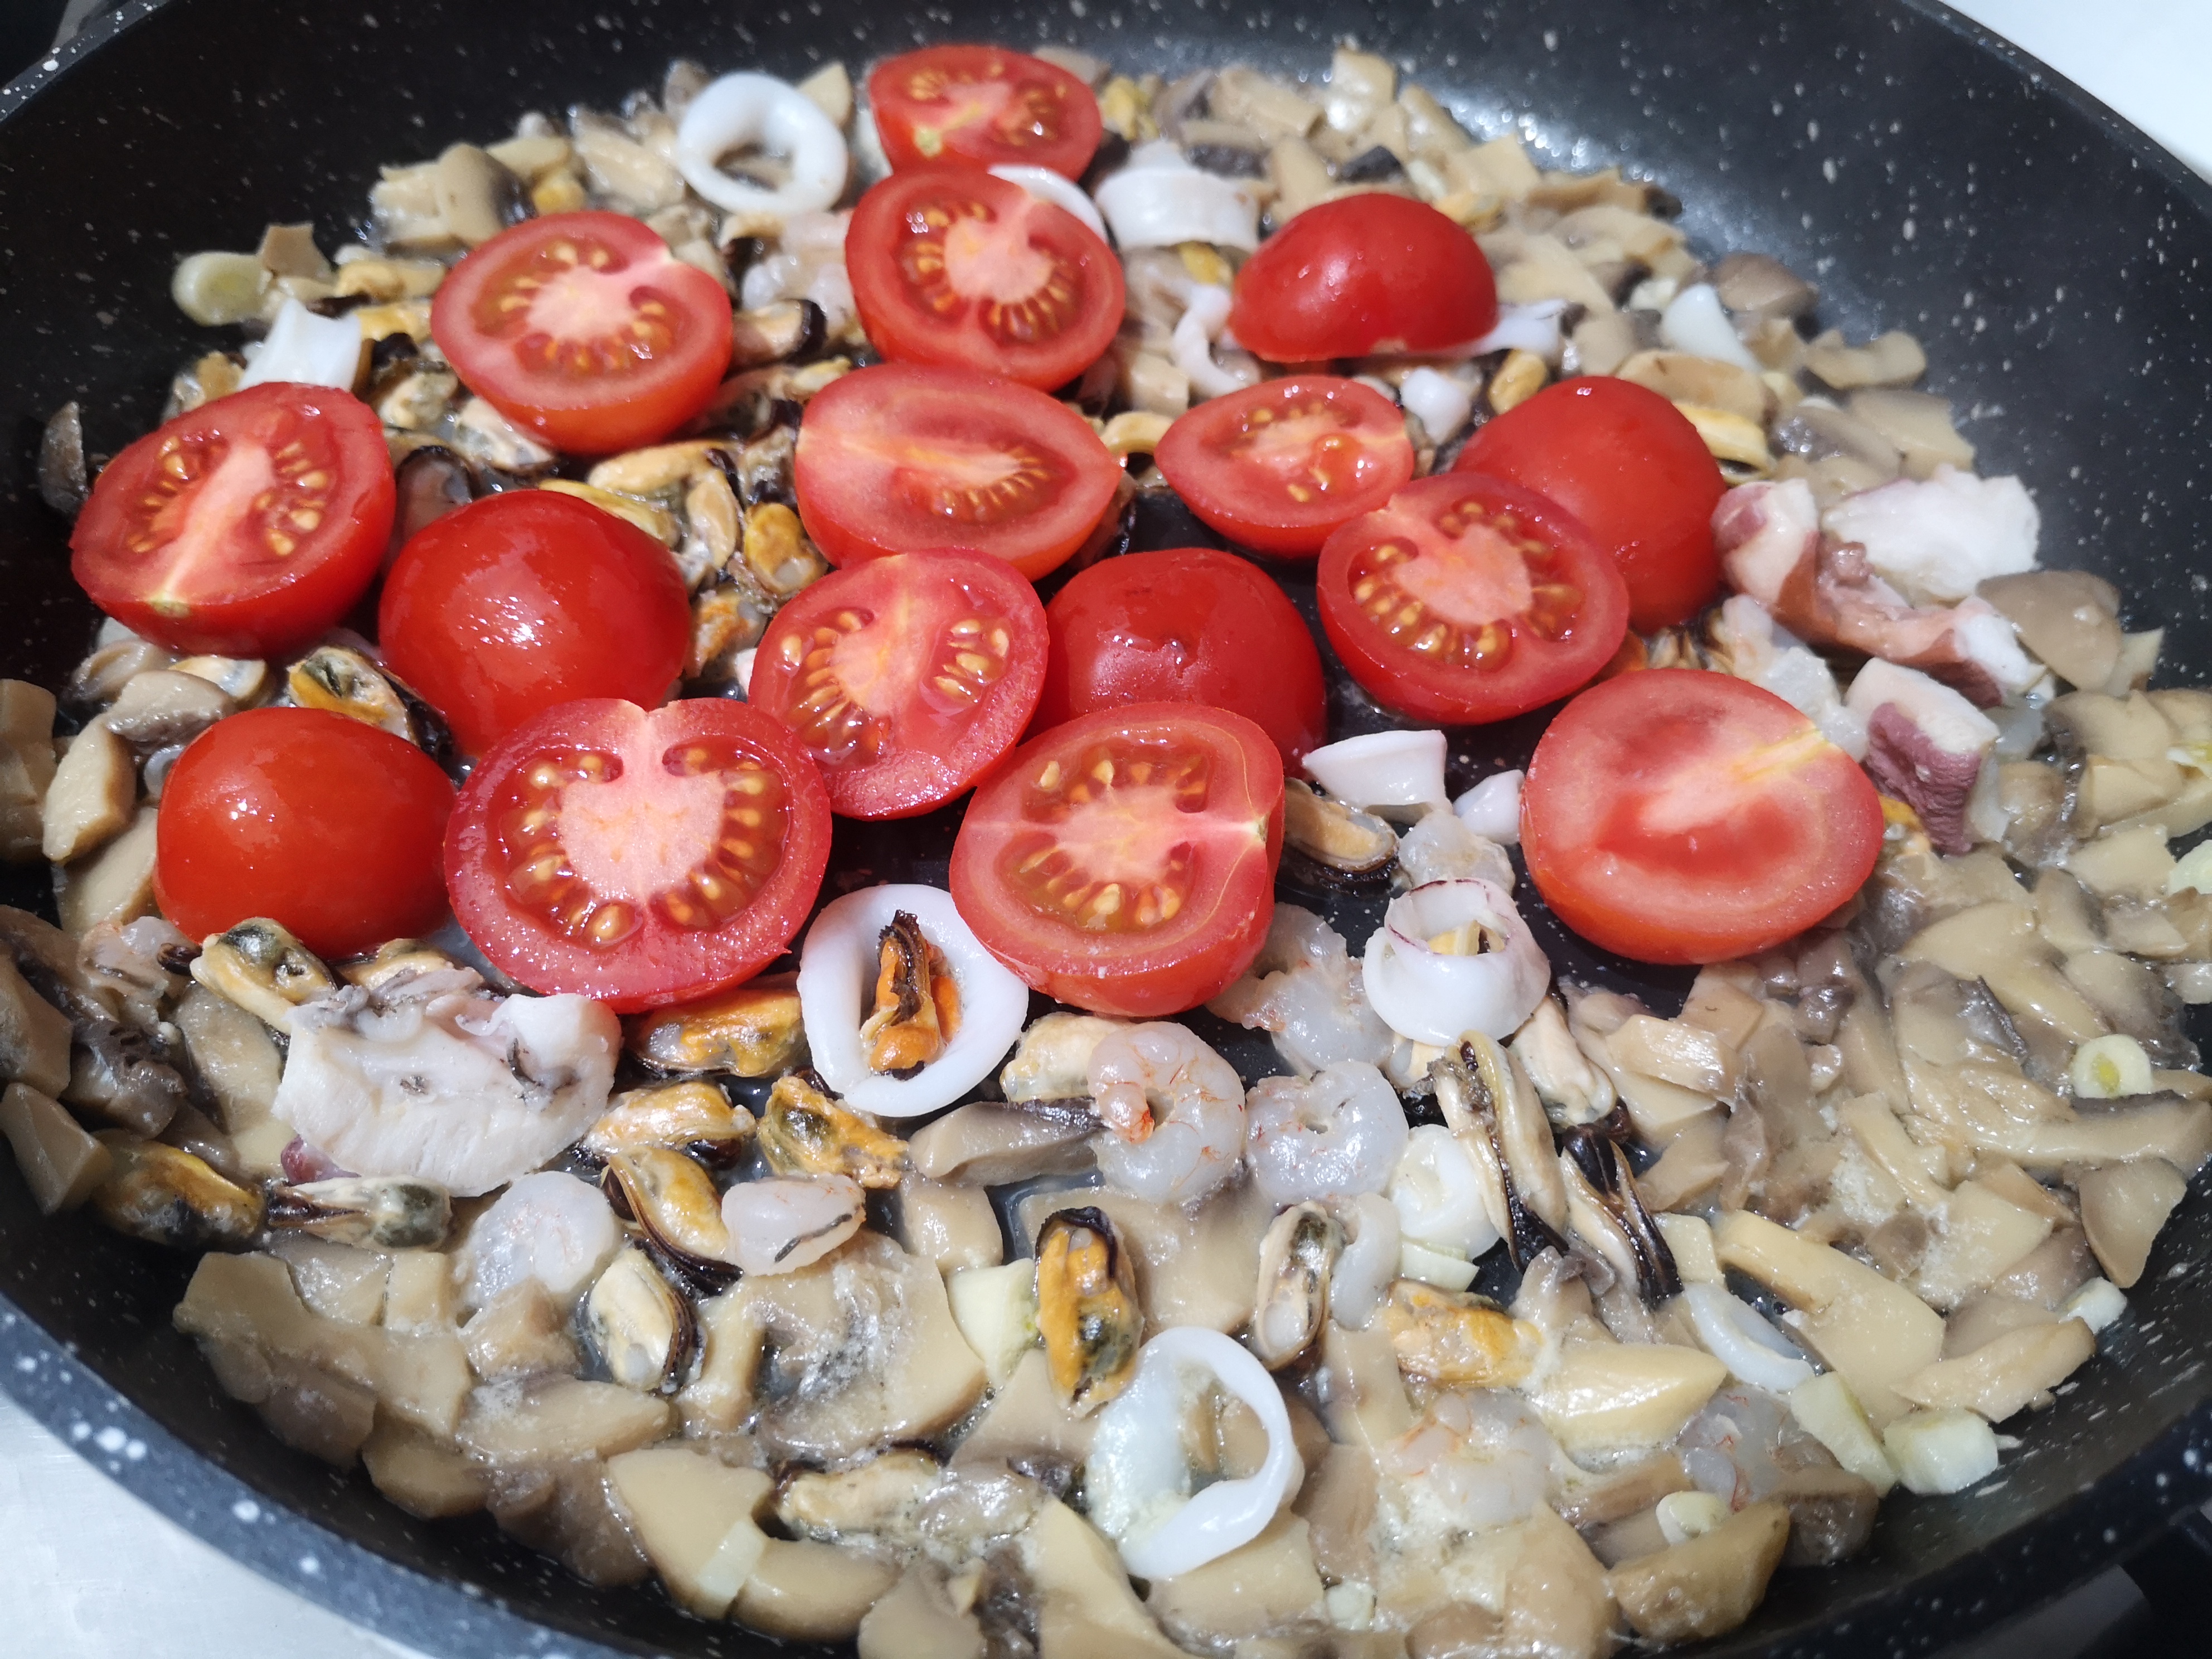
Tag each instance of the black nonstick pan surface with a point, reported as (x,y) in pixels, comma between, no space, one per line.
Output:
(2055,262)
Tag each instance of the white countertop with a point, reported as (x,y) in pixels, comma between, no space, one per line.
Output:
(65,1528)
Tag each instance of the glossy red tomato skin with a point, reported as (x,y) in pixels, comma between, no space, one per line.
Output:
(1677,816)
(321,823)
(915,276)
(607,391)
(1233,840)
(1539,668)
(1627,463)
(246,597)
(936,742)
(1185,624)
(1049,119)
(1365,273)
(654,826)
(529,598)
(1219,459)
(871,477)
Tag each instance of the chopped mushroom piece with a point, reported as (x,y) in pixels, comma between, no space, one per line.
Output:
(1707,1586)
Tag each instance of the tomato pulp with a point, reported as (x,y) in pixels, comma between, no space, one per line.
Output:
(1677,816)
(1362,273)
(327,825)
(1633,469)
(1125,862)
(907,458)
(638,857)
(245,527)
(1185,625)
(951,265)
(583,329)
(1278,466)
(1466,600)
(906,678)
(984,106)
(530,598)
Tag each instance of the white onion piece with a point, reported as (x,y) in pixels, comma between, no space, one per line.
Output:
(1136,1470)
(306,349)
(1438,1196)
(836,983)
(1373,1246)
(736,112)
(1202,322)
(1151,204)
(1443,405)
(1734,1334)
(1493,808)
(1436,999)
(1056,188)
(1533,327)
(1382,769)
(1695,321)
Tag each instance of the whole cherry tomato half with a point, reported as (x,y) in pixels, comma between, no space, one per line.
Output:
(1630,465)
(1674,815)
(246,527)
(530,598)
(638,857)
(984,106)
(327,825)
(583,329)
(1362,273)
(1190,625)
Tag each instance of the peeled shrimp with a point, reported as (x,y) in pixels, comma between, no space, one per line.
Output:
(1476,1461)
(1305,989)
(549,1227)
(1370,1261)
(782,1225)
(1176,1110)
(1336,1134)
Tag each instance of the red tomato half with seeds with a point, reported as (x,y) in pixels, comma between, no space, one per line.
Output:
(1674,815)
(906,678)
(1630,465)
(1125,862)
(1362,273)
(1278,465)
(529,598)
(583,329)
(1466,600)
(904,459)
(325,824)
(246,527)
(951,266)
(1190,625)
(984,106)
(636,857)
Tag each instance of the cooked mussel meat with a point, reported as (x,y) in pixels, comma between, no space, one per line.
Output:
(693,1116)
(1607,1210)
(1502,1125)
(1087,1308)
(342,681)
(1457,1339)
(166,1195)
(752,1032)
(804,1131)
(917,1005)
(643,1330)
(1344,841)
(1297,1258)
(391,1213)
(671,1202)
(259,966)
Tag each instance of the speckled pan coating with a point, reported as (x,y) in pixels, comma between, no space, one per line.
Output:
(2057,265)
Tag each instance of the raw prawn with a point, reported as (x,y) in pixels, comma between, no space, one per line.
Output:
(1338,1133)
(1176,1111)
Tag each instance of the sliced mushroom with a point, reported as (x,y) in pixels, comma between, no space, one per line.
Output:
(985,1145)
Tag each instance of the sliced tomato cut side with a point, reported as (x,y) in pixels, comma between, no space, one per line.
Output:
(1125,862)
(1466,600)
(904,459)
(905,678)
(986,106)
(638,857)
(951,266)
(585,329)
(1278,465)
(1677,816)
(245,527)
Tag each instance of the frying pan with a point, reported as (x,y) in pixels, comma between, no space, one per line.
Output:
(1924,174)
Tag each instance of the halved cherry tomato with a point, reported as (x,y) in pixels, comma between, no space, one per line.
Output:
(1467,600)
(1278,465)
(1674,815)
(951,266)
(1186,624)
(904,459)
(246,527)
(984,106)
(585,329)
(1626,463)
(1125,862)
(325,824)
(906,678)
(530,598)
(1362,273)
(639,857)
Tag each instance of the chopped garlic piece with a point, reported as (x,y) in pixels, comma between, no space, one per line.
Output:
(1940,1452)
(2109,1068)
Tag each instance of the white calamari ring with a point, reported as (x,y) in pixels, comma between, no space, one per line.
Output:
(1738,1335)
(1434,998)
(1056,188)
(1154,203)
(1382,769)
(737,110)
